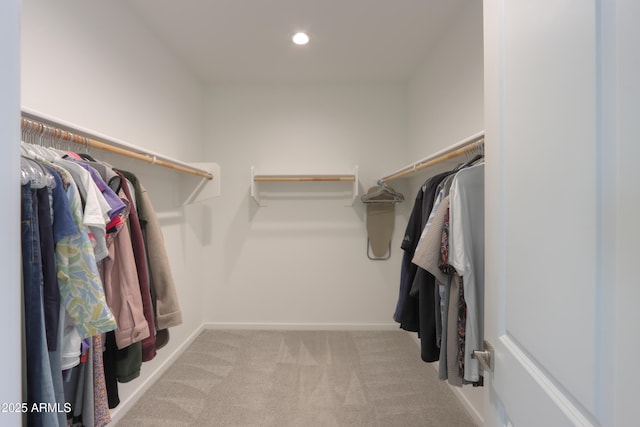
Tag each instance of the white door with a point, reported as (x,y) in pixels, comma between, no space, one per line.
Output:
(561,105)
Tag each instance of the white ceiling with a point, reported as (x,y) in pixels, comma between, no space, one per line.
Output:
(249,41)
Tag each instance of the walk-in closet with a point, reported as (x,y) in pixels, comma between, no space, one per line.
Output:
(424,216)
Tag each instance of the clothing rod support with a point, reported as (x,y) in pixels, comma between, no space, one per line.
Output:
(34,123)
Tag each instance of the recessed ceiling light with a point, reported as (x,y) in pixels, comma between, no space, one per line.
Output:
(300,38)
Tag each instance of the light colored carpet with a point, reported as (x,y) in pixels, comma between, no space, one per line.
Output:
(299,379)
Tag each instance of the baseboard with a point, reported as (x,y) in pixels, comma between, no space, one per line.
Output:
(118,413)
(303,326)
(471,409)
(457,391)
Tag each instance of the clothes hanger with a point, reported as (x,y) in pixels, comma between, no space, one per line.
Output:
(88,157)
(27,172)
(35,144)
(466,164)
(32,152)
(32,172)
(383,194)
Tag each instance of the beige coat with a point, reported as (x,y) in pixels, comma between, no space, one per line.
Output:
(168,311)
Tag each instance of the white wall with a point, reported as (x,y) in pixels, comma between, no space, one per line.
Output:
(446,92)
(10,265)
(300,261)
(92,64)
(446,105)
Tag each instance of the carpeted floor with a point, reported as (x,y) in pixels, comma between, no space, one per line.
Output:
(299,379)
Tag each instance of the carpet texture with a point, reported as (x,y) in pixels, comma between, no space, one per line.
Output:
(299,379)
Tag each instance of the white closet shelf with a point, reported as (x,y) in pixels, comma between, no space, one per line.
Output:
(256,178)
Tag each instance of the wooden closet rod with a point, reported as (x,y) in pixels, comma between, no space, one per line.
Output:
(463,147)
(280,178)
(34,124)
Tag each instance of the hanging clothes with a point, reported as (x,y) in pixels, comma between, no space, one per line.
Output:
(81,289)
(85,275)
(418,285)
(163,289)
(140,258)
(427,256)
(441,285)
(466,255)
(40,387)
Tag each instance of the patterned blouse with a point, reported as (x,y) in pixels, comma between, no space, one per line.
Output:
(81,290)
